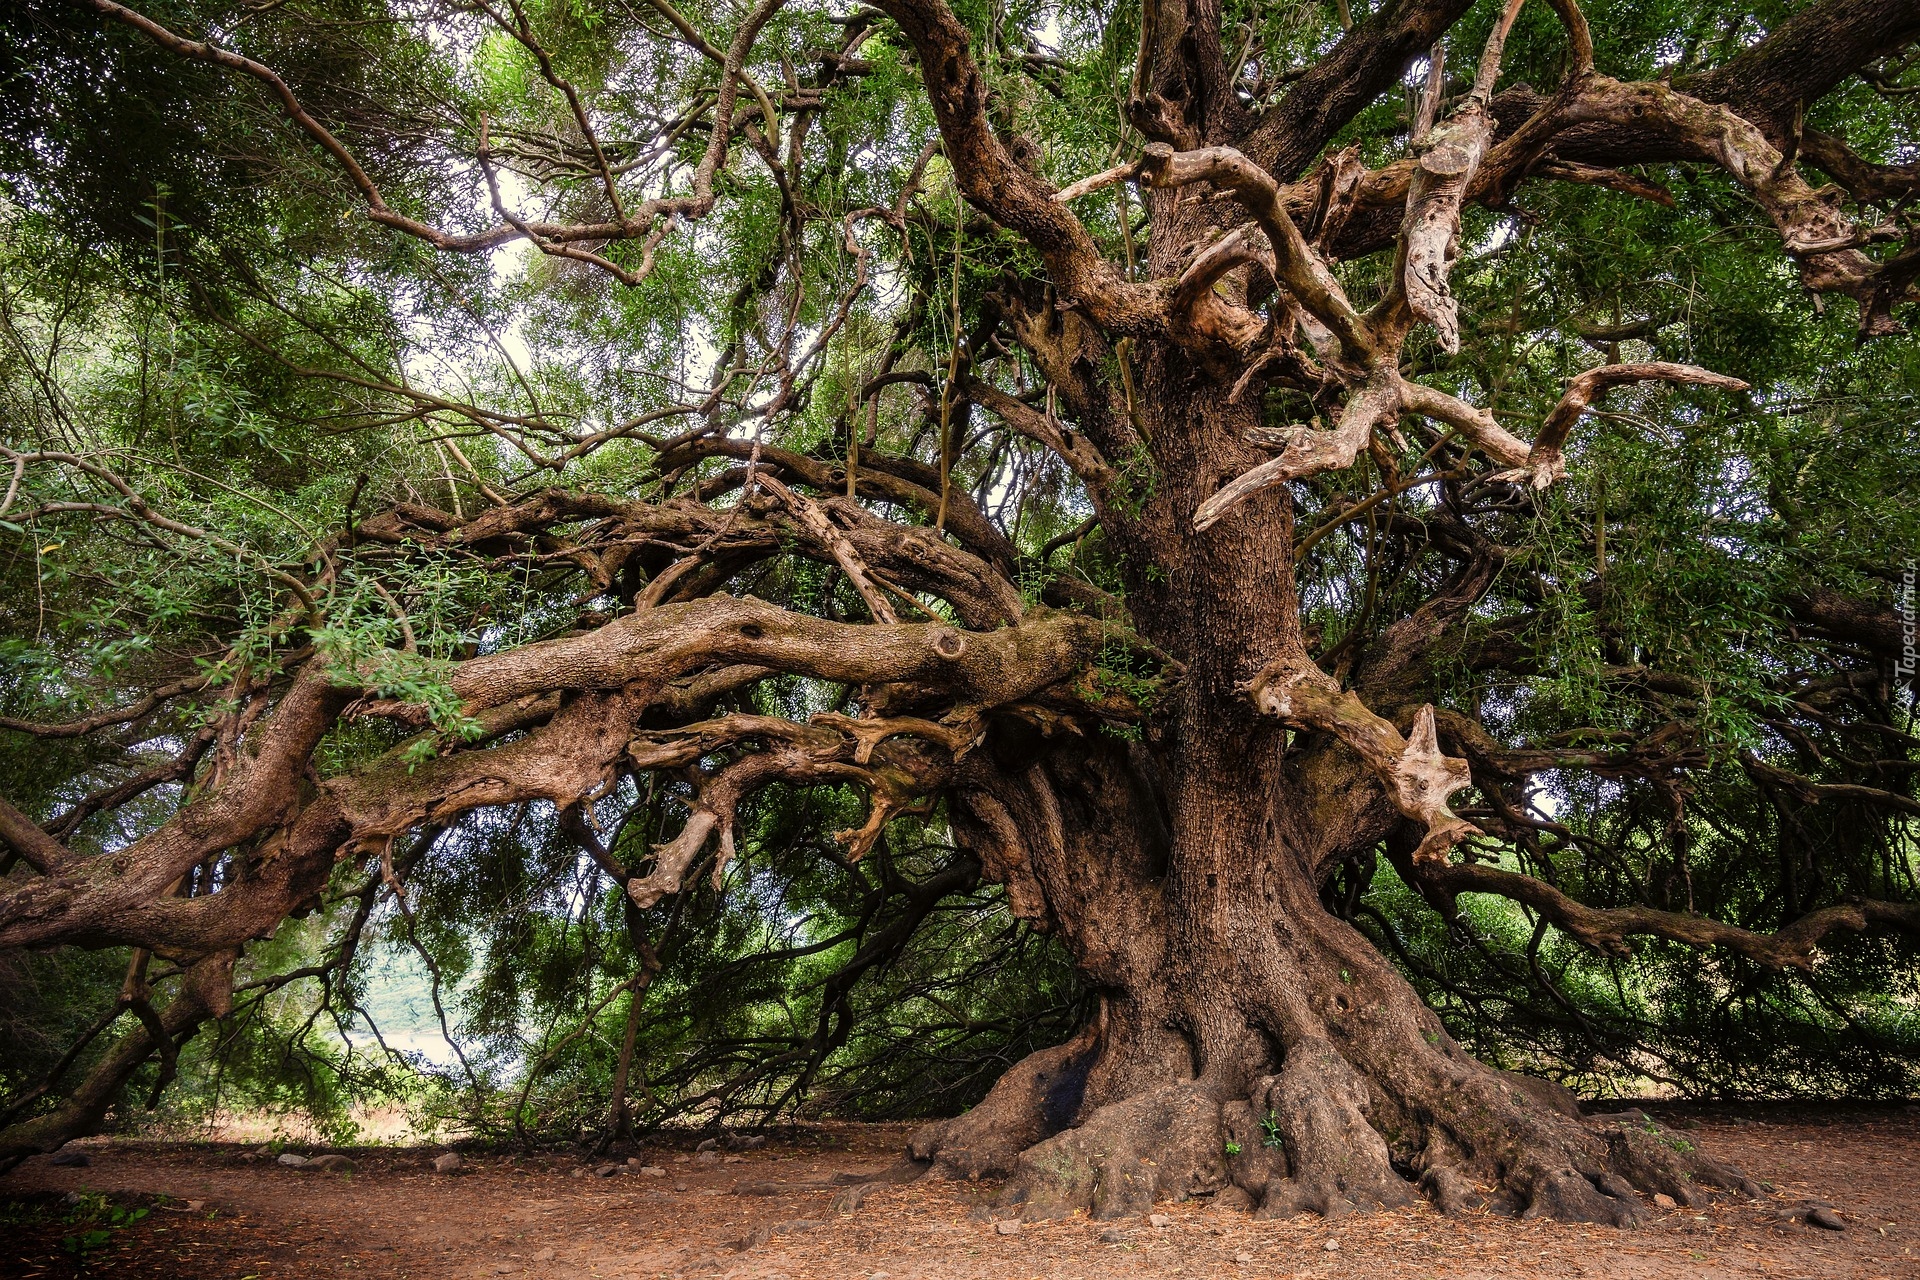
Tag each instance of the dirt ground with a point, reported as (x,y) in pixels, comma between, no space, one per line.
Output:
(216,1214)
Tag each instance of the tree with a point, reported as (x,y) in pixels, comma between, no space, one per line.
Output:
(1183,456)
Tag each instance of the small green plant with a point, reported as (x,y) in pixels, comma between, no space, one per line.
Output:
(96,1219)
(1233,1148)
(1270,1130)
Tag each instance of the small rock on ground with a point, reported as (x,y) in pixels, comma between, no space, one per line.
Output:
(1243,1256)
(447,1162)
(1821,1216)
(1331,1246)
(652,1171)
(545,1255)
(1007,1227)
(1113,1235)
(72,1160)
(329,1164)
(708,1145)
(292,1161)
(607,1170)
(1665,1201)
(1159,1220)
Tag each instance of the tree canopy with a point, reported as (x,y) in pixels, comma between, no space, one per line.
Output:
(739,540)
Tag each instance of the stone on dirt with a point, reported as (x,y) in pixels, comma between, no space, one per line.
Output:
(293,1161)
(71,1160)
(1007,1227)
(708,1144)
(607,1170)
(1159,1220)
(332,1163)
(1331,1246)
(545,1255)
(1113,1235)
(447,1162)
(652,1171)
(1821,1216)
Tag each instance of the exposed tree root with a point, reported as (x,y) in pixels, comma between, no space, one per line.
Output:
(1160,1145)
(1336,1161)
(1036,1098)
(1319,1137)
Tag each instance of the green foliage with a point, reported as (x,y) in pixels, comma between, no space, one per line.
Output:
(96,1220)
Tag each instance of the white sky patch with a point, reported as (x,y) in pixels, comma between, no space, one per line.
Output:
(1049,33)
(400,998)
(510,259)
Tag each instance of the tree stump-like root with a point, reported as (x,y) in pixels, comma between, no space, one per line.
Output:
(1318,1137)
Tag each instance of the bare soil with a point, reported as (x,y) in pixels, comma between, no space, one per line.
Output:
(216,1213)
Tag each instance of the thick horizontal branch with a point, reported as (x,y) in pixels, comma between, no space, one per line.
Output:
(141,706)
(1546,462)
(21,834)
(1806,57)
(1607,929)
(602,683)
(1307,452)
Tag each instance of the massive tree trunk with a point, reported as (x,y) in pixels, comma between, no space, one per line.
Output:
(1250,1045)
